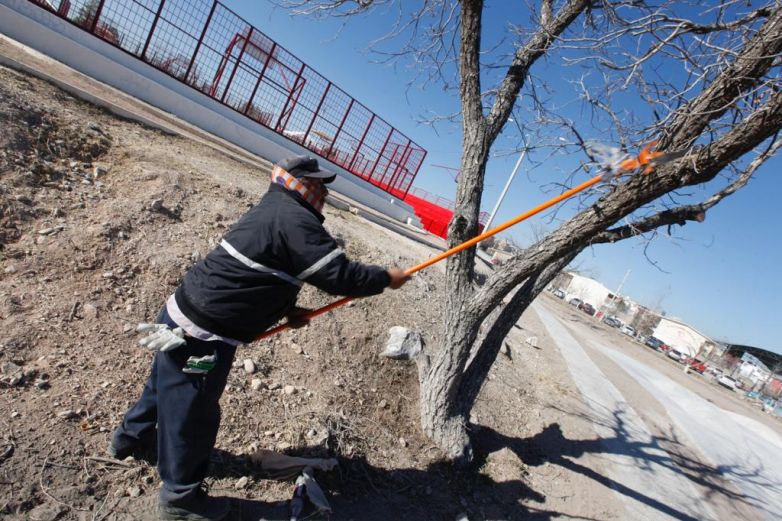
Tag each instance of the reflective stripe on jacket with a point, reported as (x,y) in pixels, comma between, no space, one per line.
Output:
(251,280)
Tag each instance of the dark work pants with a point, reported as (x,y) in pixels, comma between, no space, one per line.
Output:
(186,410)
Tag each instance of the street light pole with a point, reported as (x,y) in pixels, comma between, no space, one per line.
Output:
(616,293)
(487,226)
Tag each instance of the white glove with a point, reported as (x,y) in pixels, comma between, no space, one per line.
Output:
(161,337)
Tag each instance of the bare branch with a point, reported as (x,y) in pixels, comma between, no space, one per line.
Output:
(525,56)
(692,212)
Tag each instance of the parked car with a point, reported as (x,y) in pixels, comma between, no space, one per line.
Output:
(675,355)
(697,366)
(559,293)
(655,343)
(575,301)
(587,308)
(612,321)
(628,330)
(727,381)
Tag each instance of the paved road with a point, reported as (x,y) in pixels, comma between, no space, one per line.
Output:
(713,464)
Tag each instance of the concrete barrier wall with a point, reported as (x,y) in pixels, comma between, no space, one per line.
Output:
(55,37)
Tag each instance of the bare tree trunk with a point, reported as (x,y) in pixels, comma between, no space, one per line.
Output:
(443,415)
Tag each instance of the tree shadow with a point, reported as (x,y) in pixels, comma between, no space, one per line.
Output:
(358,490)
(668,452)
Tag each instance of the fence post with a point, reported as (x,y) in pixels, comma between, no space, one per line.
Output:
(317,111)
(238,61)
(152,29)
(260,77)
(288,101)
(361,142)
(339,129)
(98,12)
(382,151)
(416,173)
(200,40)
(400,164)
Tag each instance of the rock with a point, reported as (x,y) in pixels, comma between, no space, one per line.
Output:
(312,433)
(289,390)
(99,171)
(283,446)
(46,231)
(256,384)
(57,212)
(403,344)
(127,328)
(156,205)
(90,311)
(134,491)
(533,341)
(45,512)
(297,348)
(383,404)
(67,414)
(242,483)
(403,442)
(268,433)
(10,269)
(10,368)
(274,386)
(249,366)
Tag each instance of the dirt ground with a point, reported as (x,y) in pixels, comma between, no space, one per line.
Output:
(99,219)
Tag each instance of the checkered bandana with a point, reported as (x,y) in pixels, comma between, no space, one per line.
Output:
(310,190)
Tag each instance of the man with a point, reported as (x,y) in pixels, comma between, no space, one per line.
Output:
(241,288)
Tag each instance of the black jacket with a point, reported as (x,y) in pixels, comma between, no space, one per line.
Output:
(251,280)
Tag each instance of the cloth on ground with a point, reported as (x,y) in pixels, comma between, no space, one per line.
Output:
(281,467)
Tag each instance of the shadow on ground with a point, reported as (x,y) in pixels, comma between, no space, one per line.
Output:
(360,491)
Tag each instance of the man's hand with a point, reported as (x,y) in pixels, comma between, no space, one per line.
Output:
(296,317)
(398,278)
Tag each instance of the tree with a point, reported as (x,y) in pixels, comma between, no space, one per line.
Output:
(723,105)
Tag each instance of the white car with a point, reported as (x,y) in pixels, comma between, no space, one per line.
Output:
(675,355)
(727,381)
(627,330)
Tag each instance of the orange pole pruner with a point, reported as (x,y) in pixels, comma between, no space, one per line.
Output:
(647,158)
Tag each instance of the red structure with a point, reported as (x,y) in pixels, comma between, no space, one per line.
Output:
(435,212)
(207,46)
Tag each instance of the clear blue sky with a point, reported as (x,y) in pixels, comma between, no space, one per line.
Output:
(721,276)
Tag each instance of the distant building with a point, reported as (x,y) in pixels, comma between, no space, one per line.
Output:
(683,337)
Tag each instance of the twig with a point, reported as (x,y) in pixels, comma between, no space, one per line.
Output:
(72,314)
(109,461)
(46,493)
(95,515)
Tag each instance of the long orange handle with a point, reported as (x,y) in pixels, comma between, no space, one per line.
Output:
(456,249)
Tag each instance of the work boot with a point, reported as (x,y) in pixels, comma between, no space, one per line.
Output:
(200,508)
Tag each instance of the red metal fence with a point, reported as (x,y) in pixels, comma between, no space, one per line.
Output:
(207,46)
